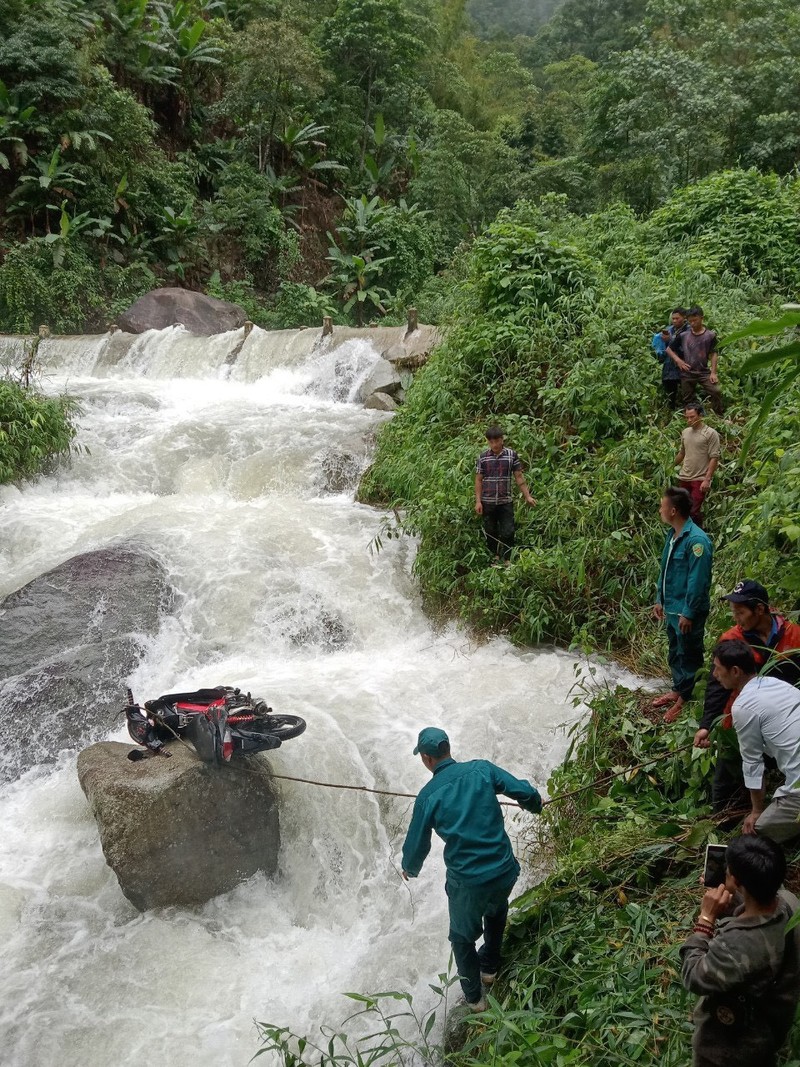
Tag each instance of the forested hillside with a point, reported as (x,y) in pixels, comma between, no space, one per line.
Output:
(310,156)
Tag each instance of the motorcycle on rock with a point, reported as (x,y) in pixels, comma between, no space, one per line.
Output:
(221,723)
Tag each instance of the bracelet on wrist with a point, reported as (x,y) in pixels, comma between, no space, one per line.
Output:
(704,929)
(707,919)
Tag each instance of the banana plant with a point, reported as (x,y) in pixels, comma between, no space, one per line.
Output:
(178,23)
(17,121)
(787,354)
(34,191)
(357,229)
(142,48)
(353,279)
(378,165)
(178,239)
(71,226)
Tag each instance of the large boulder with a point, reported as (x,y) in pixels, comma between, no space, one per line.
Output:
(198,313)
(382,378)
(68,641)
(379,401)
(177,831)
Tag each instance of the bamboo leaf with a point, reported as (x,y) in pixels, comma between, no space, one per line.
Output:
(774,355)
(766,407)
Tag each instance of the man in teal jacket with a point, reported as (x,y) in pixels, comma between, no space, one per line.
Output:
(682,599)
(460,804)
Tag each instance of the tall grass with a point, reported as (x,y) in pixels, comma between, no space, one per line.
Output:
(549,333)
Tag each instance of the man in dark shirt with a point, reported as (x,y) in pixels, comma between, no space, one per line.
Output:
(493,500)
(695,354)
(742,961)
(670,374)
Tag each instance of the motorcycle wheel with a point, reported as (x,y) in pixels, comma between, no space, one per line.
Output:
(282,726)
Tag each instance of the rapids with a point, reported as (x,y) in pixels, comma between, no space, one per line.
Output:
(220,471)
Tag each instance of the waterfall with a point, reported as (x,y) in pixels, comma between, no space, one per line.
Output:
(240,479)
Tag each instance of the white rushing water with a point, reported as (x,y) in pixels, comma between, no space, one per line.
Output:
(223,474)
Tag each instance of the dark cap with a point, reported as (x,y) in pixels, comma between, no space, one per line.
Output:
(747,590)
(429,740)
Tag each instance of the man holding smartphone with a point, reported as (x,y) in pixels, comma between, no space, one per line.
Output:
(742,962)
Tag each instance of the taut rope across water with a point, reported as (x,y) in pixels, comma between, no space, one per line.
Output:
(504,803)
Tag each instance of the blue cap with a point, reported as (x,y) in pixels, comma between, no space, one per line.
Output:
(429,740)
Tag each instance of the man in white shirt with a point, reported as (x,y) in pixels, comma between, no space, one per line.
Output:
(766,717)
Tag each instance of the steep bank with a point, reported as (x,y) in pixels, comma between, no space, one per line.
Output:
(592,970)
(549,334)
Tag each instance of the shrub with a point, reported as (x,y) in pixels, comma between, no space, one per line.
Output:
(34,429)
(548,332)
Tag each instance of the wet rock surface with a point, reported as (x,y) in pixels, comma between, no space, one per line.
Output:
(175,831)
(311,624)
(68,641)
(198,313)
(383,378)
(379,401)
(341,465)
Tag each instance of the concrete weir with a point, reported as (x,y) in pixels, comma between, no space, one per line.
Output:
(248,348)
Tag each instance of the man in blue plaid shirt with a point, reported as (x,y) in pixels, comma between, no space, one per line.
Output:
(493,500)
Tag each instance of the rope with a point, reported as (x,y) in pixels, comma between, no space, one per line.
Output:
(413,796)
(503,803)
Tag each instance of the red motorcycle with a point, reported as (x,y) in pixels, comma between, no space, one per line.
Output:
(220,723)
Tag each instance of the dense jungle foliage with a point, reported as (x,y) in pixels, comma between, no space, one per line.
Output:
(545,179)
(545,334)
(327,156)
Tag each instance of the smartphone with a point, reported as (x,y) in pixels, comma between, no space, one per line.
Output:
(715,871)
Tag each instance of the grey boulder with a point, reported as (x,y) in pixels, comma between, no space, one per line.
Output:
(380,401)
(198,313)
(382,378)
(68,641)
(175,831)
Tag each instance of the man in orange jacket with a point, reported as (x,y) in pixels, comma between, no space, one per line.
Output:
(776,647)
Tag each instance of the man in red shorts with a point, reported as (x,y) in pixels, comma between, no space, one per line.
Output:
(698,458)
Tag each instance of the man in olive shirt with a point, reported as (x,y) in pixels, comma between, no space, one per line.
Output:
(460,804)
(698,458)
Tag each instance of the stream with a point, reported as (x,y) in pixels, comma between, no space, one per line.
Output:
(240,479)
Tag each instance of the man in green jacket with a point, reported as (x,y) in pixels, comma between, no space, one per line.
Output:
(682,598)
(460,804)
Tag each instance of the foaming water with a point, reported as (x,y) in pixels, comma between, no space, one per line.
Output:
(227,480)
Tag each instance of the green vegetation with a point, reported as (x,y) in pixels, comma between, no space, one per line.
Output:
(546,333)
(226,145)
(592,971)
(34,430)
(545,180)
